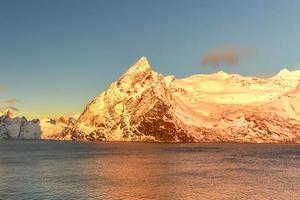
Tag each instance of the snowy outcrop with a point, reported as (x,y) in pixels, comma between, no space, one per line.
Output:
(12,127)
(143,105)
(55,128)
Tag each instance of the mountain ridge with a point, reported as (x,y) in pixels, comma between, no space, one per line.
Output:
(143,105)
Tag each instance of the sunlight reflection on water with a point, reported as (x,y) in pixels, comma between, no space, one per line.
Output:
(72,170)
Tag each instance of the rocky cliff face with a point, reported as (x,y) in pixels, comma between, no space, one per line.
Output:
(143,105)
(12,127)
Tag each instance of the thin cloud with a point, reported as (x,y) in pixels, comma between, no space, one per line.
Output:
(225,55)
(10,101)
(2,88)
(13,108)
(9,104)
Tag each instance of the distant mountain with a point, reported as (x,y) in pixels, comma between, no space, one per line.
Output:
(57,128)
(143,105)
(13,127)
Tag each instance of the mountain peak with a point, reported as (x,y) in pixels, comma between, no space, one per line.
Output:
(284,71)
(7,113)
(222,74)
(140,66)
(142,61)
(286,74)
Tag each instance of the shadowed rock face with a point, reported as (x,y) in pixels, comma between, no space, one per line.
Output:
(145,106)
(18,127)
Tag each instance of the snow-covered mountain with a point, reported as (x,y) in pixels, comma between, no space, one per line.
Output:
(13,127)
(56,128)
(143,105)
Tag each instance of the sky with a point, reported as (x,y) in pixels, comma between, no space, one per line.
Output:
(56,55)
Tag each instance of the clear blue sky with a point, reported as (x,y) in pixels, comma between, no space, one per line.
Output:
(56,55)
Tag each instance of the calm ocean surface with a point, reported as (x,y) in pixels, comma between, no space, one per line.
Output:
(73,170)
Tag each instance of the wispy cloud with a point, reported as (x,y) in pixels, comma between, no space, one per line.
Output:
(225,55)
(8,104)
(2,88)
(13,108)
(10,101)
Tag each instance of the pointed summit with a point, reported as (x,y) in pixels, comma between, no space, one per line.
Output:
(143,61)
(142,65)
(7,113)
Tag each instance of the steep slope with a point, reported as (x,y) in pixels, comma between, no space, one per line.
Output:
(143,105)
(138,107)
(12,127)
